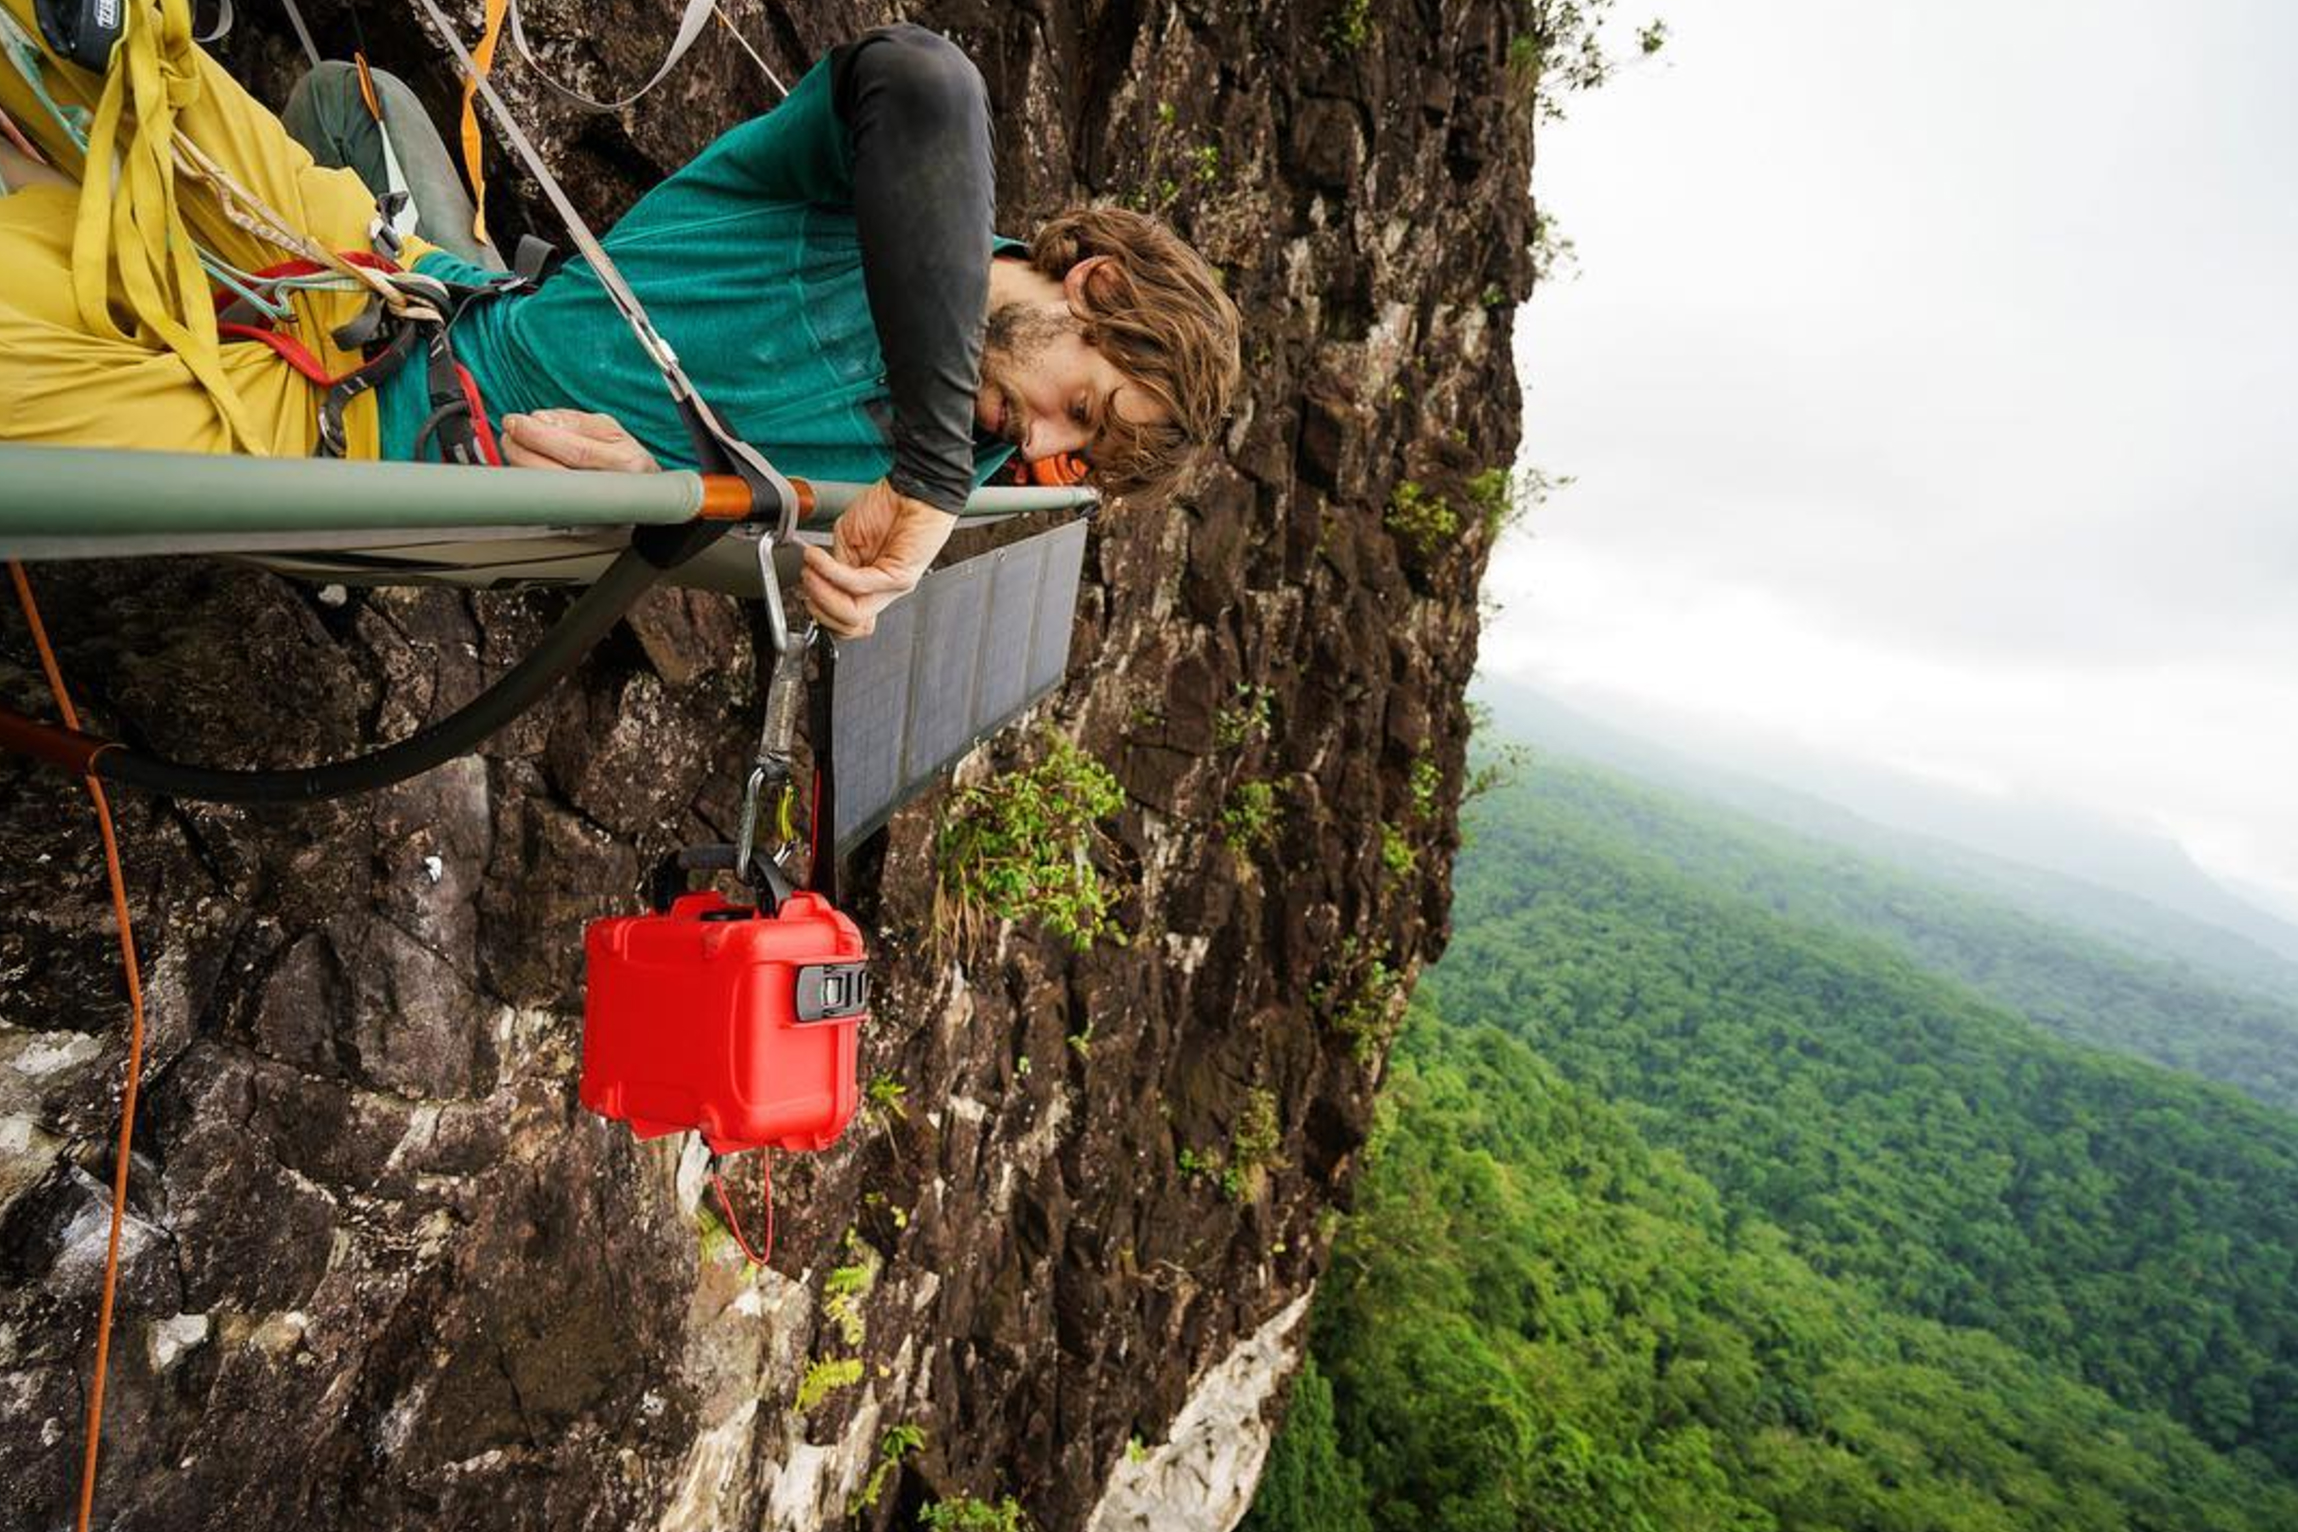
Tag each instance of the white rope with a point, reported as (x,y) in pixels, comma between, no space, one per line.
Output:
(302,32)
(753,52)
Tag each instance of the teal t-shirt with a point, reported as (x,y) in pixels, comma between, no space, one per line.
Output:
(750,266)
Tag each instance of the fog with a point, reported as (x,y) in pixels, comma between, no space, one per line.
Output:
(1929,379)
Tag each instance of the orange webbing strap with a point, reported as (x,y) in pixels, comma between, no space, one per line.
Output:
(766,1190)
(473,160)
(135,1051)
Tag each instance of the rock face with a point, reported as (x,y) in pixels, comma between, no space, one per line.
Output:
(381,1271)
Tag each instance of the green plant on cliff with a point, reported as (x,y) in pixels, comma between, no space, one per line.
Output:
(1020,847)
(1351,26)
(1502,498)
(710,1231)
(1561,50)
(1420,519)
(1426,777)
(1244,718)
(1250,817)
(882,1101)
(1491,494)
(1396,850)
(898,1443)
(966,1514)
(823,1375)
(1553,252)
(1253,1146)
(1166,171)
(1361,998)
(843,1291)
(1493,762)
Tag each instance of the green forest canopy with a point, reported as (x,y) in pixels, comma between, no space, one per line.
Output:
(1904,1260)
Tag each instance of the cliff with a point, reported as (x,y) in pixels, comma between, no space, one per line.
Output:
(383,1272)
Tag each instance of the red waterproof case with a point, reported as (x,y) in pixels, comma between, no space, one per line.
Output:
(719,1018)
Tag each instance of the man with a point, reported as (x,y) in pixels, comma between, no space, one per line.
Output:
(828,276)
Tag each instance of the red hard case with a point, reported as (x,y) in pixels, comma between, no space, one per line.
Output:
(690,1021)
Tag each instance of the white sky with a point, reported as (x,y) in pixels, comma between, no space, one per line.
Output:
(1931,380)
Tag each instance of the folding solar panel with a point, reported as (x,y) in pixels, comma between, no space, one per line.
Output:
(950,664)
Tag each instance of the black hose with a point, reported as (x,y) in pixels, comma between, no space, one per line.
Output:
(629,577)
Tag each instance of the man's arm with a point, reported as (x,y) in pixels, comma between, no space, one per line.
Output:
(917,117)
(917,123)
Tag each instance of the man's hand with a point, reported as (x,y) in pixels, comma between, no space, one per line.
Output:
(573,439)
(882,547)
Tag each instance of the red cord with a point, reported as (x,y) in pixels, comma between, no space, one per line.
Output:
(479,426)
(135,1052)
(766,1190)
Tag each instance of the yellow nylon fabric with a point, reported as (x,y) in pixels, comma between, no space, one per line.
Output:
(129,226)
(88,359)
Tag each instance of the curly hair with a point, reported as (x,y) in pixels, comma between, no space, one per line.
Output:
(1157,311)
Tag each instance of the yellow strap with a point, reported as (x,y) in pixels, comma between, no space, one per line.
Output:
(473,161)
(129,223)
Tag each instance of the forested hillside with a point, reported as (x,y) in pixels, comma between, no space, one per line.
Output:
(2130,1225)
(2082,988)
(1693,1209)
(1535,1319)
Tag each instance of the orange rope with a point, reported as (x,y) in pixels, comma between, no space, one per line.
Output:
(135,1049)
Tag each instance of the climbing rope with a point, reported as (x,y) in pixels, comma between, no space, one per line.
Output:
(129,968)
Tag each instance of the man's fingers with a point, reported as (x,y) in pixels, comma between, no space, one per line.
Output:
(846,616)
(603,428)
(518,454)
(867,580)
(573,439)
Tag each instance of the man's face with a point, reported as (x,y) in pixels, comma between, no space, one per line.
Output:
(1045,390)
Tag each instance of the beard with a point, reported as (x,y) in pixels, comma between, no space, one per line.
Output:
(1015,338)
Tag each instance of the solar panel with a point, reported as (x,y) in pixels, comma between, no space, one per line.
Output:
(950,664)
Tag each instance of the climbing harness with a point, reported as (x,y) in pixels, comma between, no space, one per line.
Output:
(456,421)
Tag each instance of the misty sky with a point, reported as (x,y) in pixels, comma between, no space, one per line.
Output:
(1931,380)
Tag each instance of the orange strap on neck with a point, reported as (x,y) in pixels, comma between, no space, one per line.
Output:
(1066,469)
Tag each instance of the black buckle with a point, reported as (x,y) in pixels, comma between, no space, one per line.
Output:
(765,880)
(833,991)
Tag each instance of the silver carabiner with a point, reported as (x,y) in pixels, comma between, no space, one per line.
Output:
(772,585)
(746,838)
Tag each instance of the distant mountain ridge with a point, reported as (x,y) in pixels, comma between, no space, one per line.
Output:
(2182,916)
